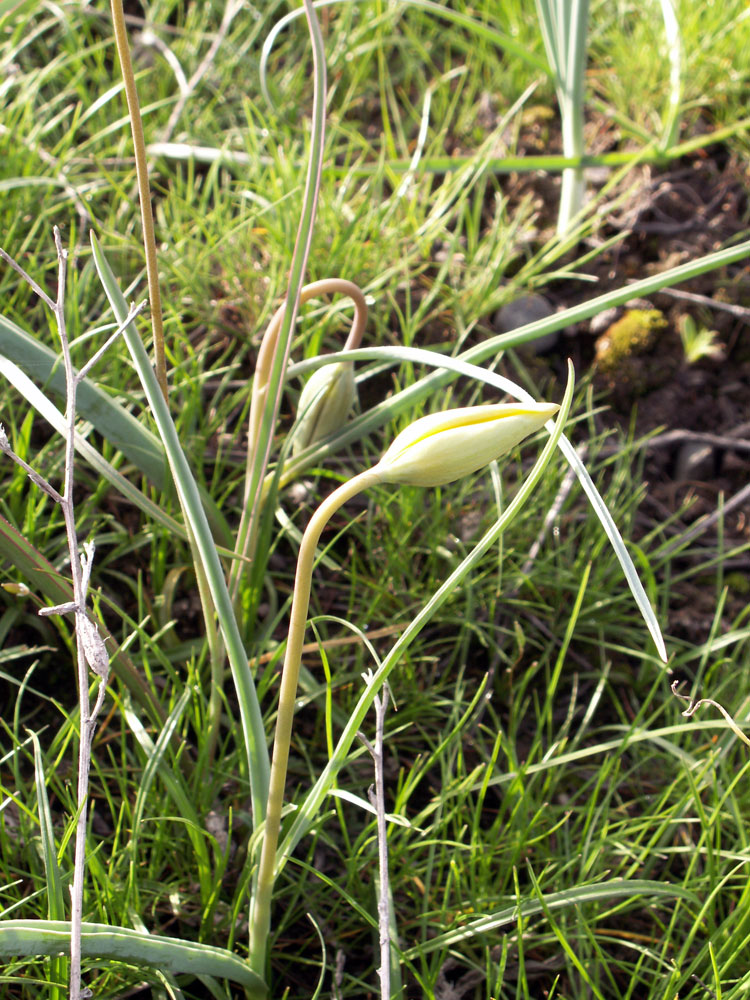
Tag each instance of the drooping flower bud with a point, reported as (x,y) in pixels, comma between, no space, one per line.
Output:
(442,447)
(324,403)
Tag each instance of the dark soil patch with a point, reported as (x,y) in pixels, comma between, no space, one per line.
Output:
(673,216)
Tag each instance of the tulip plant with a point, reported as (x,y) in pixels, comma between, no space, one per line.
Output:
(431,452)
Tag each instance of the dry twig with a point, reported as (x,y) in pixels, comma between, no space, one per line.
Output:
(377,800)
(90,648)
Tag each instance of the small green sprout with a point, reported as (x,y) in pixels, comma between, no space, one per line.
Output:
(698,341)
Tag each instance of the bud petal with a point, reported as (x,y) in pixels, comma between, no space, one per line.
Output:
(324,403)
(443,447)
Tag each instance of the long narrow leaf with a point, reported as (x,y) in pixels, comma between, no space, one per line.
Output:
(601,892)
(190,498)
(671,128)
(564,29)
(553,162)
(52,937)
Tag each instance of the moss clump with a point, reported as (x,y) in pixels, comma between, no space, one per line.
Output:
(738,584)
(629,337)
(624,354)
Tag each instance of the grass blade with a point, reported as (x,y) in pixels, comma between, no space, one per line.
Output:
(155,764)
(671,129)
(190,498)
(600,892)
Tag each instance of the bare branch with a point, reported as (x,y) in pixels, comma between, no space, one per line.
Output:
(132,313)
(27,278)
(36,479)
(377,799)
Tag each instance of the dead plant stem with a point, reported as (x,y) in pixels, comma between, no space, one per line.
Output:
(90,649)
(144,192)
(377,800)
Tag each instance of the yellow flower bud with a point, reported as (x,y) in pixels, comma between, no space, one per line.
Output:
(443,447)
(324,403)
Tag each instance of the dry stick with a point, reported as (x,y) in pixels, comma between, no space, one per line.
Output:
(734,441)
(86,636)
(705,523)
(90,648)
(728,442)
(377,800)
(741,312)
(336,643)
(694,705)
(144,193)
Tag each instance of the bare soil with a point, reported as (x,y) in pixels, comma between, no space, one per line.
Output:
(699,412)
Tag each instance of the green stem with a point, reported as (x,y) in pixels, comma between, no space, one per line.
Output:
(215,652)
(260,920)
(144,192)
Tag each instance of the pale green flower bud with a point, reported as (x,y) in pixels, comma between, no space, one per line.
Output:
(443,447)
(324,403)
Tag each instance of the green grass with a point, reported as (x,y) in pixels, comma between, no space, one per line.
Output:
(536,752)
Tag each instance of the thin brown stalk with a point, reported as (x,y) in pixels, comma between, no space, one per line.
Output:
(144,192)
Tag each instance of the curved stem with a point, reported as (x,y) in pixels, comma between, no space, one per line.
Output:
(326,286)
(248,523)
(260,919)
(260,446)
